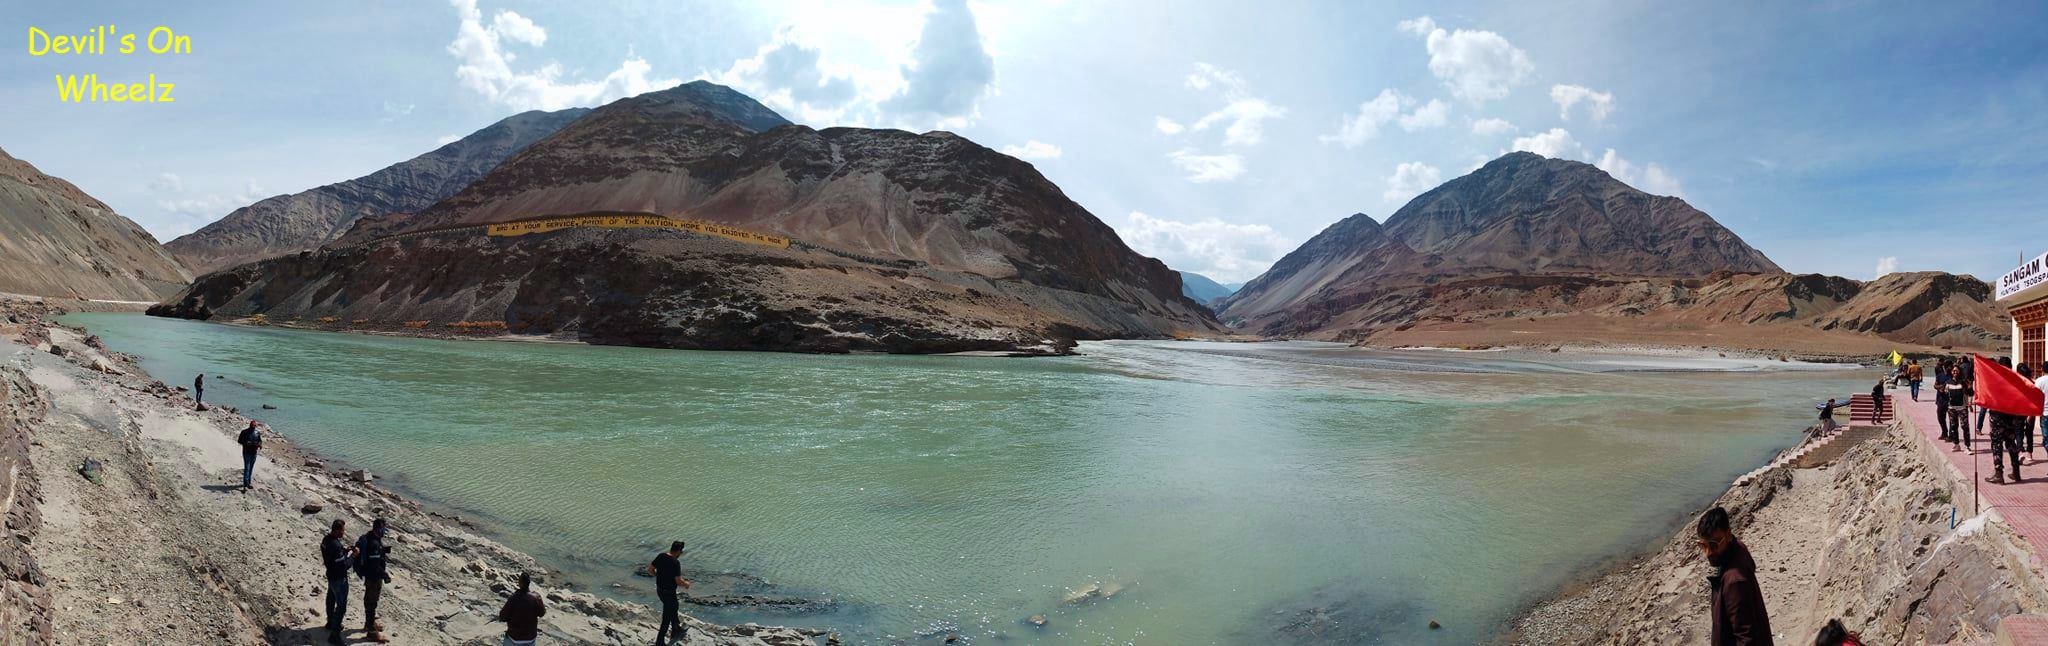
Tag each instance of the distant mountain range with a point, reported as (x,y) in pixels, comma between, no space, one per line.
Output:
(1528,249)
(57,241)
(1201,289)
(305,220)
(903,242)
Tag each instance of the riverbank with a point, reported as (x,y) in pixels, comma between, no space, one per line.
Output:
(1880,537)
(155,543)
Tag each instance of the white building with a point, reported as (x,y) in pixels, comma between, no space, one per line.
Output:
(2024,293)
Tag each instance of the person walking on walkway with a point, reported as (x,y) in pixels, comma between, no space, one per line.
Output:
(1959,395)
(522,614)
(1941,399)
(335,555)
(371,557)
(251,440)
(199,392)
(1737,602)
(668,574)
(1913,375)
(2005,446)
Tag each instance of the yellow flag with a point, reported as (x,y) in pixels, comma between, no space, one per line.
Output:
(1897,358)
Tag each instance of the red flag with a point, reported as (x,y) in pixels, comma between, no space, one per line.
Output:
(2000,389)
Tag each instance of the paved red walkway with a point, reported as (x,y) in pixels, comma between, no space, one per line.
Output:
(2024,506)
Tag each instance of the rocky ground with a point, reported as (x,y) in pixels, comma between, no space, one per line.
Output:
(1866,539)
(128,525)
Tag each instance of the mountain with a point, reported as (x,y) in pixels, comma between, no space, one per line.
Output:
(1201,289)
(899,242)
(1529,250)
(57,241)
(292,223)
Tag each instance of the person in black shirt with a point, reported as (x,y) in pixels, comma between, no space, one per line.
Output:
(251,440)
(668,573)
(199,392)
(522,614)
(335,555)
(370,564)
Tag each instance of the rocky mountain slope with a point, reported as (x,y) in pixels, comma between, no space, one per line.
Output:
(903,242)
(1202,289)
(1534,250)
(292,223)
(57,241)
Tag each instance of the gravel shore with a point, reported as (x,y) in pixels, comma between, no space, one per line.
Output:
(157,543)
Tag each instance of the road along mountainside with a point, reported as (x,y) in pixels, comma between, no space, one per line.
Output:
(128,526)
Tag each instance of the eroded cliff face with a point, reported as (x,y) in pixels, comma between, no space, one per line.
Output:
(57,241)
(1865,539)
(901,242)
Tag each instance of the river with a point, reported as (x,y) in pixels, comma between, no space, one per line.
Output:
(1234,493)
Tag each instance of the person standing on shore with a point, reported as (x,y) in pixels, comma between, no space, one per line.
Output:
(1737,602)
(335,555)
(199,392)
(371,557)
(1913,375)
(522,614)
(1877,403)
(668,574)
(251,440)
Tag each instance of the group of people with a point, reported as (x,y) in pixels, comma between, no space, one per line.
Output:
(2011,437)
(368,559)
(1734,596)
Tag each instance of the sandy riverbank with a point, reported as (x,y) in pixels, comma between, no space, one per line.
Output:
(1866,538)
(163,549)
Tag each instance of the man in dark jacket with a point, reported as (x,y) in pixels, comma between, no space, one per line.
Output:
(335,556)
(251,440)
(522,614)
(199,392)
(1737,602)
(371,554)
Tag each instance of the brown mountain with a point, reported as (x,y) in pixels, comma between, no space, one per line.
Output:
(1531,250)
(56,241)
(305,220)
(903,242)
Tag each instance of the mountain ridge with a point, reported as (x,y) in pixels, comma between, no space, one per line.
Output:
(58,241)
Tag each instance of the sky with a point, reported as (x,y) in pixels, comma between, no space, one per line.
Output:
(1849,138)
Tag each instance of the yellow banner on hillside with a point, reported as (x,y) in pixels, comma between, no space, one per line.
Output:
(637,221)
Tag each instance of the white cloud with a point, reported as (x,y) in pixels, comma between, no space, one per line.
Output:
(1556,142)
(1033,149)
(210,207)
(444,140)
(1885,265)
(1242,113)
(485,65)
(517,28)
(788,76)
(1650,178)
(1167,126)
(1598,104)
(1363,125)
(1476,66)
(1207,168)
(1214,248)
(1411,179)
(1490,127)
(949,72)
(167,183)
(394,110)
(1430,115)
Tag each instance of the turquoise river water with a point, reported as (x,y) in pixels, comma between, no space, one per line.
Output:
(1268,493)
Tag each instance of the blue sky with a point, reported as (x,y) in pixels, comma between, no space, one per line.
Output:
(1839,137)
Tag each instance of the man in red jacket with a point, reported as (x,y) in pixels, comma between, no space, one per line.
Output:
(1737,602)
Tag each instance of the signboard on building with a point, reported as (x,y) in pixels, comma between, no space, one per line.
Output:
(2028,275)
